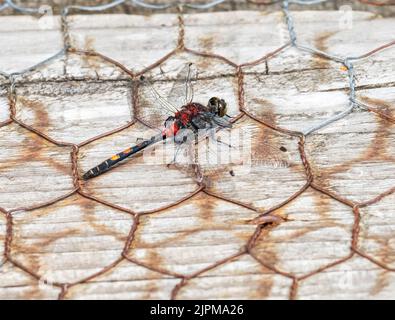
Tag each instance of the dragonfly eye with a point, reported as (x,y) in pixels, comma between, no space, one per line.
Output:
(223,108)
(217,106)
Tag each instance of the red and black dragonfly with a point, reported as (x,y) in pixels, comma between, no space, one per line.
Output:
(189,116)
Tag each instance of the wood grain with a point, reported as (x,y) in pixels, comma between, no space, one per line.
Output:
(189,242)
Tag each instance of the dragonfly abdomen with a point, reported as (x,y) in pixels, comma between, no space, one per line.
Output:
(115,159)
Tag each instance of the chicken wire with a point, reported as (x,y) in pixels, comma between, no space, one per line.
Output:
(262,220)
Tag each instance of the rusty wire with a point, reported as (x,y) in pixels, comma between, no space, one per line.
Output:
(263,220)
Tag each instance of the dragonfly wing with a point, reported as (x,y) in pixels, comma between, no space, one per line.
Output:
(221,122)
(157,97)
(209,120)
(182,91)
(201,122)
(152,109)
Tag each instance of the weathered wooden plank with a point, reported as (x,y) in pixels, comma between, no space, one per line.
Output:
(70,240)
(377,236)
(317,234)
(320,30)
(355,279)
(3,231)
(232,38)
(382,99)
(130,45)
(250,280)
(330,34)
(296,101)
(15,284)
(18,35)
(364,147)
(33,167)
(4,107)
(126,281)
(73,112)
(76,238)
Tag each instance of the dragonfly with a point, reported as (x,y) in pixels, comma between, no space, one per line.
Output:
(186,121)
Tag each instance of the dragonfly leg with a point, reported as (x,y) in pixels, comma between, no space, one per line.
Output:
(175,155)
(224,143)
(182,138)
(184,135)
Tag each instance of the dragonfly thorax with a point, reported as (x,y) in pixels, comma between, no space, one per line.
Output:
(183,119)
(188,112)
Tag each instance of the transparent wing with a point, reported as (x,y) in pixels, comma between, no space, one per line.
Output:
(150,112)
(221,122)
(182,91)
(222,152)
(207,120)
(200,156)
(233,147)
(152,109)
(158,97)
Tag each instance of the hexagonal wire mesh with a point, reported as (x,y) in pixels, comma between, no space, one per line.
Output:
(263,220)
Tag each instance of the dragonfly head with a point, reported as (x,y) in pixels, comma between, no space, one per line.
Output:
(217,106)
